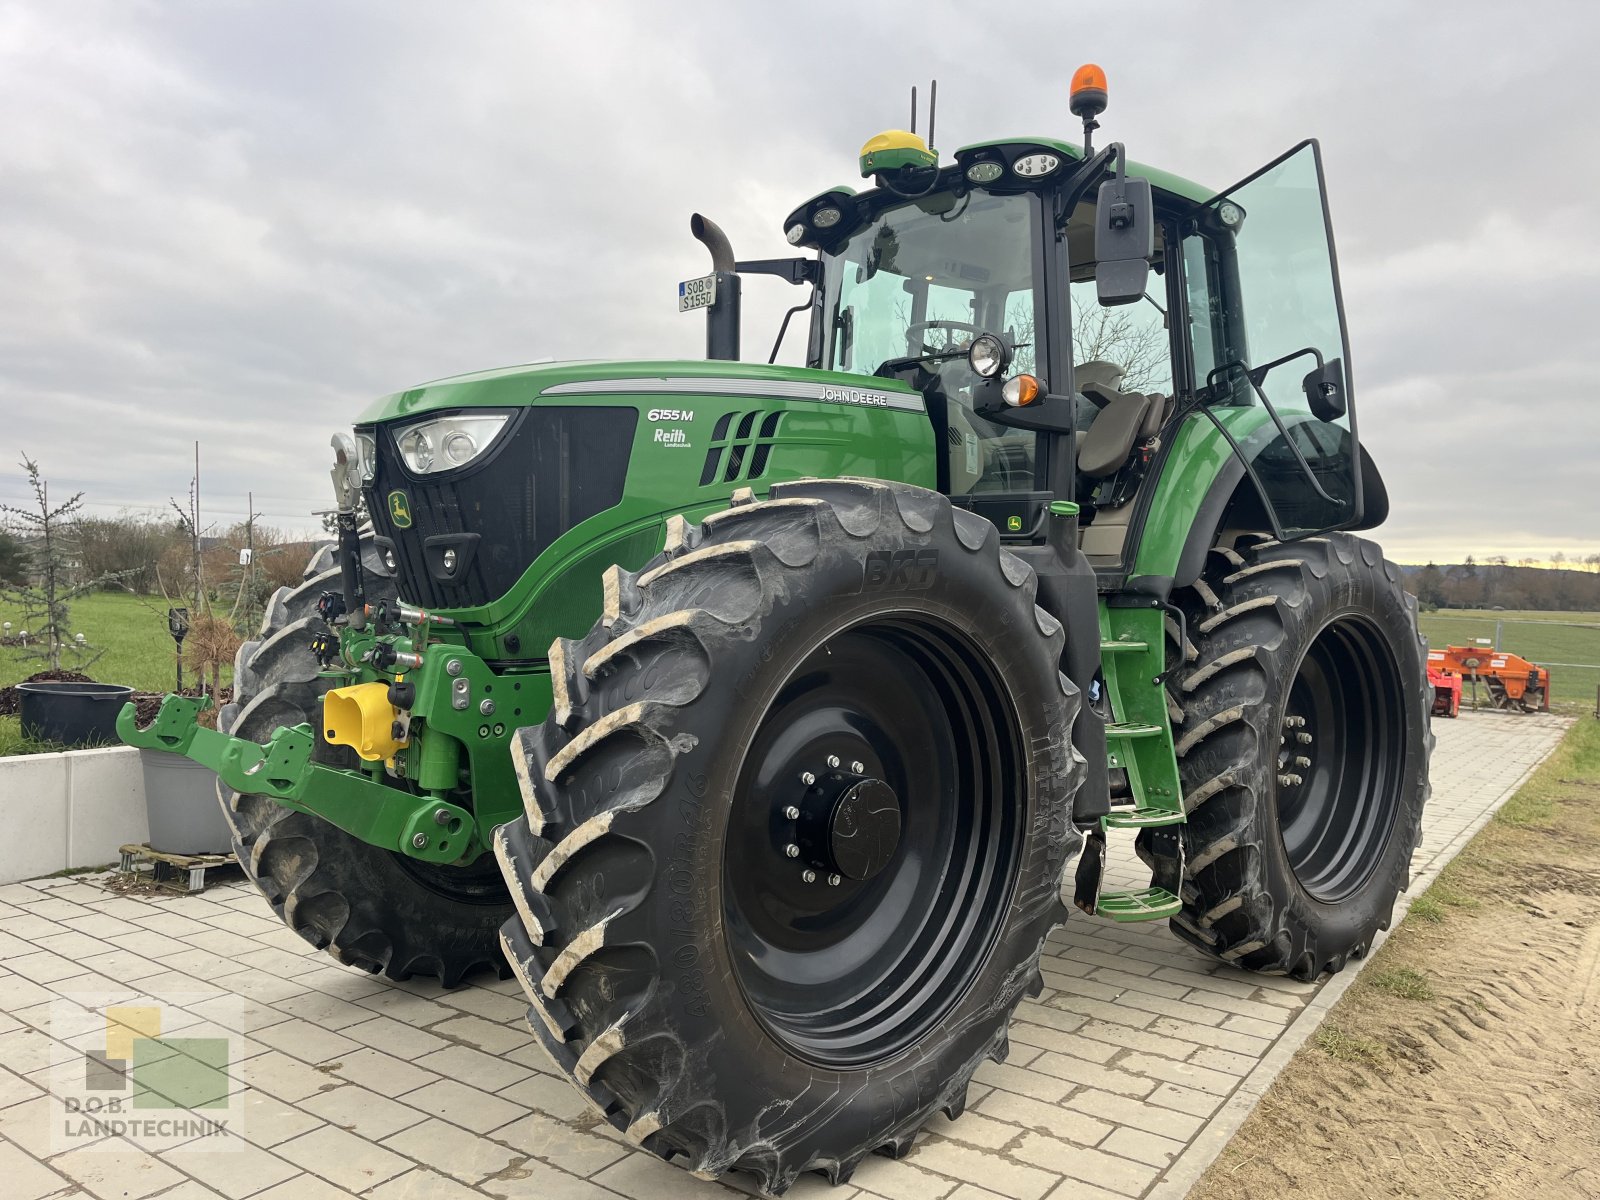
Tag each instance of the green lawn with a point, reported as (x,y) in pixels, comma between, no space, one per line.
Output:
(1541,637)
(131,629)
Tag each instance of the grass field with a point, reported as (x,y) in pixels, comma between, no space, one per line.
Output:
(138,651)
(132,630)
(1542,637)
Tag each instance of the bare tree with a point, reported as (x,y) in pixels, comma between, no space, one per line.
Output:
(47,598)
(1114,335)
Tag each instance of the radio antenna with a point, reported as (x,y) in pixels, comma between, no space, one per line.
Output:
(913,108)
(933,104)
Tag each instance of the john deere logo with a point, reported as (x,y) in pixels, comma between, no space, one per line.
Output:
(400,509)
(1014,524)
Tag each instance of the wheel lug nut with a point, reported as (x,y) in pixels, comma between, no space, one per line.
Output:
(808,876)
(792,850)
(792,813)
(1302,761)
(835,880)
(1305,739)
(833,760)
(807,778)
(858,768)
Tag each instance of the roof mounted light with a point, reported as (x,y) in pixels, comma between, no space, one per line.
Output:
(826,218)
(1032,166)
(796,234)
(986,171)
(1088,101)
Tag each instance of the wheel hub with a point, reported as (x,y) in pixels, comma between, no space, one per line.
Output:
(848,825)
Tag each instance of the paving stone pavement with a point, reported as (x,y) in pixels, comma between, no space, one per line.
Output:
(1125,1077)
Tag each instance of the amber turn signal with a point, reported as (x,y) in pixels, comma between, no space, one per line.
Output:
(1020,390)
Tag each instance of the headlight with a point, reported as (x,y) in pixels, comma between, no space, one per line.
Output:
(987,355)
(367,453)
(447,442)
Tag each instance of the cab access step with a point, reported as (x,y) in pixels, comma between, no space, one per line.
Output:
(1138,742)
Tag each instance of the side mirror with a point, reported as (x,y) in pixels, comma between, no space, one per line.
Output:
(1124,240)
(1324,388)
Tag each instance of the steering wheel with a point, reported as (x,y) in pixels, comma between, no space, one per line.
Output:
(917,327)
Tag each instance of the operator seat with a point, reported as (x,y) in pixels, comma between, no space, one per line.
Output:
(1125,420)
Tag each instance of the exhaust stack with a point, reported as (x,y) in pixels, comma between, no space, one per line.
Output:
(722,316)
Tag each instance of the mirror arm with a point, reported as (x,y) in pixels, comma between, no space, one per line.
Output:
(792,270)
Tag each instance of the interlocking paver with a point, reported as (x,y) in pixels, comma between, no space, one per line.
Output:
(350,1084)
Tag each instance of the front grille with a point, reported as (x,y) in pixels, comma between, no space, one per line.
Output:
(548,470)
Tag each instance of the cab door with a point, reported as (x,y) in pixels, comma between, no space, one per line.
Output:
(1269,348)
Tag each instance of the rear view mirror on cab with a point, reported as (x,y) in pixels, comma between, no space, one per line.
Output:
(1124,239)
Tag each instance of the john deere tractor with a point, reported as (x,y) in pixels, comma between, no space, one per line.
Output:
(765,720)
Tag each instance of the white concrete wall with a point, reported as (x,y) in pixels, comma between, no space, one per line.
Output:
(72,809)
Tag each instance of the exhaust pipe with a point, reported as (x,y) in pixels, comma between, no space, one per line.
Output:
(722,317)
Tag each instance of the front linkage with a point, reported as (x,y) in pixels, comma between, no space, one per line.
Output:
(422,715)
(412,710)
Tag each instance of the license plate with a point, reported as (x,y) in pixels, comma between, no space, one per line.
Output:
(697,293)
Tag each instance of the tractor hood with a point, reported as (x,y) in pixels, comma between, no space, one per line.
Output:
(561,382)
(503,496)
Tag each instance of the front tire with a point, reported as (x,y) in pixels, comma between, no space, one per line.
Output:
(368,907)
(796,829)
(1303,740)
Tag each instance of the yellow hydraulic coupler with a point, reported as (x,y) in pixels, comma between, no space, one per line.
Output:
(362,717)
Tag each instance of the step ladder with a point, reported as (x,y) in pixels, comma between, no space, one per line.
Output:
(1138,741)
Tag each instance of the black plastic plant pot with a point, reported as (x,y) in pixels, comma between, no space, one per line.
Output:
(72,714)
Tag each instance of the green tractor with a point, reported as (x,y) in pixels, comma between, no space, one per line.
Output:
(763,720)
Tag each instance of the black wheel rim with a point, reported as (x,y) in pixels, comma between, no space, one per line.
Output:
(477,882)
(1341,758)
(902,714)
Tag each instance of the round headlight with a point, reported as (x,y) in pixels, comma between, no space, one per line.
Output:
(796,234)
(826,218)
(985,172)
(459,447)
(417,449)
(987,355)
(1230,214)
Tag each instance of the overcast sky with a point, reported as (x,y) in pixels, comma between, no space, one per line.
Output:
(240,222)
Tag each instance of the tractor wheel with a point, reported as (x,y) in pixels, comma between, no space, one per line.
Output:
(796,826)
(1303,745)
(368,907)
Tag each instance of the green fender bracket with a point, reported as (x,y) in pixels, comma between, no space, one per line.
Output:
(423,827)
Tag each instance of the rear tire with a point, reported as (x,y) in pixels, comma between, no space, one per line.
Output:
(868,656)
(368,907)
(1302,730)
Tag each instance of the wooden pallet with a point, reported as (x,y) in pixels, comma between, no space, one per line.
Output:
(168,869)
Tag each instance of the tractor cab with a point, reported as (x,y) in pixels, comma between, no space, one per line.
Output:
(1073,320)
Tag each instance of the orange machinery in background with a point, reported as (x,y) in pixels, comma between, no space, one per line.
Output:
(1513,681)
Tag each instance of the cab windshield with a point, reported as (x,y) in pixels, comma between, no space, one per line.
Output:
(926,277)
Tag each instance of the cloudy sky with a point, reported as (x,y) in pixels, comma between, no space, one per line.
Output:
(239,222)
